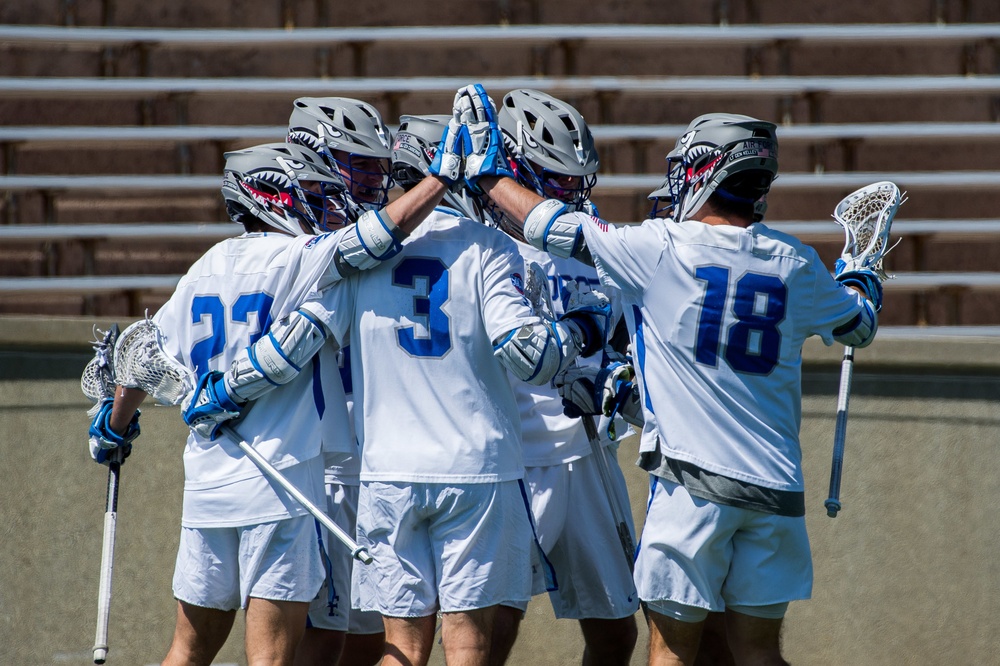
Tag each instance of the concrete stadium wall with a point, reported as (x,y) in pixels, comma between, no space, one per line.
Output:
(907,573)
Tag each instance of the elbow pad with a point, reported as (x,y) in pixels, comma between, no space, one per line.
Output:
(859,331)
(546,229)
(371,240)
(535,353)
(277,358)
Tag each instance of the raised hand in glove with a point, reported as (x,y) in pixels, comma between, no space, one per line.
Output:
(484,149)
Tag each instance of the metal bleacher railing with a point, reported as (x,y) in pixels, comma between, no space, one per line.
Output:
(569,40)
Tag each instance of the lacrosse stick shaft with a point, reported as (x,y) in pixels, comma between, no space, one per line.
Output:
(359,553)
(840,434)
(107,563)
(617,511)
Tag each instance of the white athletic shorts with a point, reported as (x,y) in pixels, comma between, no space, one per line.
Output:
(221,567)
(578,534)
(697,553)
(331,609)
(443,547)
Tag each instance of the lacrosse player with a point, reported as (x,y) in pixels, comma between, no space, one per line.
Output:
(245,542)
(441,510)
(552,153)
(718,308)
(353,140)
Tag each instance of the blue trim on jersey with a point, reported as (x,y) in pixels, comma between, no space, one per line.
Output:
(252,354)
(447,210)
(640,355)
(331,593)
(548,570)
(317,383)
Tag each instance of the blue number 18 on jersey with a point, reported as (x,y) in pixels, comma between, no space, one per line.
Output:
(752,339)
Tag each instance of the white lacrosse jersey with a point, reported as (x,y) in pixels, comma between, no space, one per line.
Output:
(718,316)
(344,468)
(548,436)
(431,402)
(227,301)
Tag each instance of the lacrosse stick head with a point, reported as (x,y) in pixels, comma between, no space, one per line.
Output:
(141,362)
(98,379)
(866,216)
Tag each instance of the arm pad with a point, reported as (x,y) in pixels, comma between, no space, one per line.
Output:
(546,229)
(277,358)
(859,331)
(535,353)
(373,239)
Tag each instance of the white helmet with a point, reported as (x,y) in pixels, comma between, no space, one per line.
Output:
(547,138)
(328,124)
(730,155)
(413,149)
(267,181)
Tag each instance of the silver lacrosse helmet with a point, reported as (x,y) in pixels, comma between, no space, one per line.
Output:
(284,185)
(550,144)
(352,138)
(727,154)
(413,149)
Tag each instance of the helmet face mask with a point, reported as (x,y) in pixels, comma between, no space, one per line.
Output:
(285,186)
(551,148)
(732,155)
(350,136)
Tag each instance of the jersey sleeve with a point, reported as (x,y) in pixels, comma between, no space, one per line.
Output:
(626,257)
(333,307)
(504,304)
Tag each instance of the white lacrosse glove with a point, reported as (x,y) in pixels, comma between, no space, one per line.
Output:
(484,149)
(447,164)
(209,405)
(594,390)
(105,442)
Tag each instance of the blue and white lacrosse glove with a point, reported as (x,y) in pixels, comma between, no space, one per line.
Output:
(209,405)
(864,278)
(595,390)
(104,442)
(591,312)
(447,164)
(484,149)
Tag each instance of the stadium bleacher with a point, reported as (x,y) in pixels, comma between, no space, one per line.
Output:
(113,133)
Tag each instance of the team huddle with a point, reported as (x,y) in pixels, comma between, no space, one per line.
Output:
(429,369)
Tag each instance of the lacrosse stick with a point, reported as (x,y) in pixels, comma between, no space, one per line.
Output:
(866,216)
(98,383)
(537,291)
(144,364)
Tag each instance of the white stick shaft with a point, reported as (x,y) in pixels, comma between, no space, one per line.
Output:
(107,564)
(358,552)
(617,511)
(840,434)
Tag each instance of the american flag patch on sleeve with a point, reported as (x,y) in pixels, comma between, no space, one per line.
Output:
(601,224)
